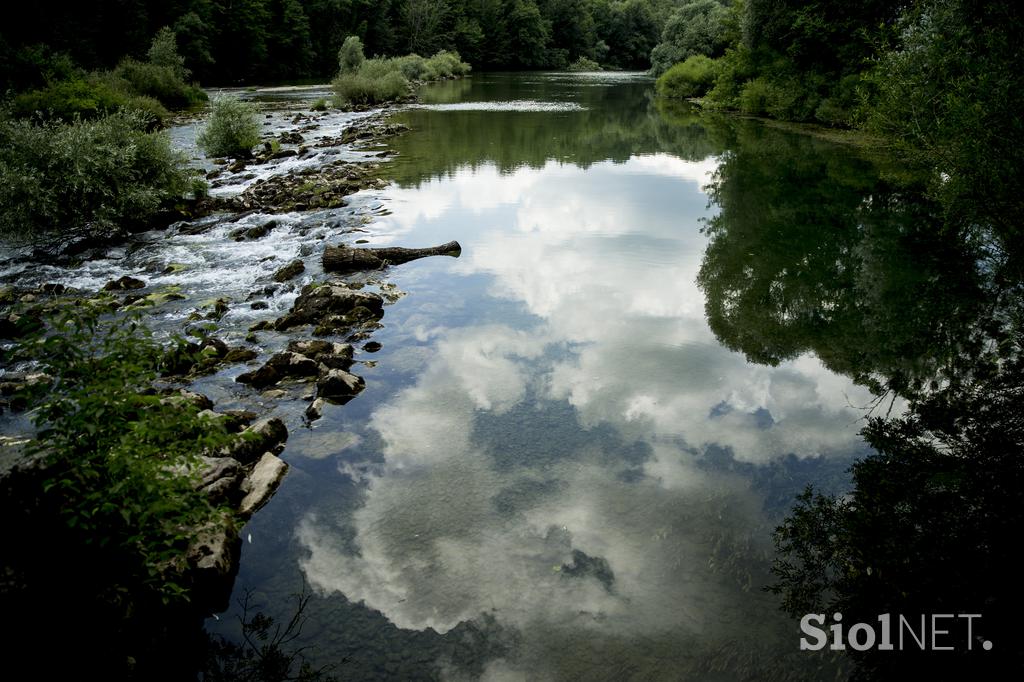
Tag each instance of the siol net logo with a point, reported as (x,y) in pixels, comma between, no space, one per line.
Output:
(935,632)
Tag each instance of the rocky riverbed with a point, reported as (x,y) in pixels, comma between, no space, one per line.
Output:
(266,329)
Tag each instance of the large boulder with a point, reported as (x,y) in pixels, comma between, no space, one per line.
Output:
(329,353)
(317,303)
(263,436)
(338,385)
(266,475)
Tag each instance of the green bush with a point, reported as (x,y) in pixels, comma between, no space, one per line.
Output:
(233,129)
(121,465)
(160,82)
(381,80)
(692,78)
(361,89)
(88,97)
(446,64)
(319,105)
(584,64)
(758,97)
(151,110)
(413,67)
(104,175)
(350,56)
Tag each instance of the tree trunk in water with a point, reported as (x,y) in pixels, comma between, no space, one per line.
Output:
(346,259)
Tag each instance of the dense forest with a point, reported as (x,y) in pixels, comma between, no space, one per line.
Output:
(244,41)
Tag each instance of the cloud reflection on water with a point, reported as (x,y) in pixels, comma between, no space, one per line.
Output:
(458,521)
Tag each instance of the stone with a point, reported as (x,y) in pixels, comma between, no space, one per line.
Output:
(221,478)
(291,364)
(315,410)
(293,269)
(264,479)
(240,355)
(237,420)
(274,394)
(124,284)
(213,561)
(316,303)
(330,353)
(263,436)
(218,347)
(338,385)
(372,347)
(260,378)
(183,395)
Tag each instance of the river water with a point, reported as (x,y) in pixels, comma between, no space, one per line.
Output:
(558,469)
(577,437)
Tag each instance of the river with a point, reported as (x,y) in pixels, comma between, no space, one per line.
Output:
(577,437)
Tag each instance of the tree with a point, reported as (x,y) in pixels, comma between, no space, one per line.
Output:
(930,527)
(350,56)
(696,28)
(164,52)
(526,34)
(424,23)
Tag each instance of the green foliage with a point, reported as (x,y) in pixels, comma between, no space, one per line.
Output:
(849,264)
(164,52)
(381,80)
(692,78)
(319,105)
(446,64)
(232,130)
(758,96)
(350,56)
(583,64)
(280,40)
(160,82)
(423,24)
(150,87)
(82,97)
(358,88)
(121,465)
(931,526)
(949,95)
(98,176)
(696,28)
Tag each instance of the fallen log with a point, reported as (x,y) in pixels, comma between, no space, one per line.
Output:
(347,259)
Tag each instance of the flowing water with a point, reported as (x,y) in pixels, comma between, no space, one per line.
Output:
(579,435)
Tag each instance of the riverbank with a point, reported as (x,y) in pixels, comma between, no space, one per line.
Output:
(240,364)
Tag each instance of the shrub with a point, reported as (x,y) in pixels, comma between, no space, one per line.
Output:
(692,78)
(319,105)
(104,175)
(413,67)
(160,82)
(446,64)
(584,64)
(121,465)
(350,56)
(84,97)
(360,89)
(233,129)
(757,96)
(151,110)
(380,80)
(378,67)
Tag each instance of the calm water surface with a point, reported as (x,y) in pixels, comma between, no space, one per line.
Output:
(559,469)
